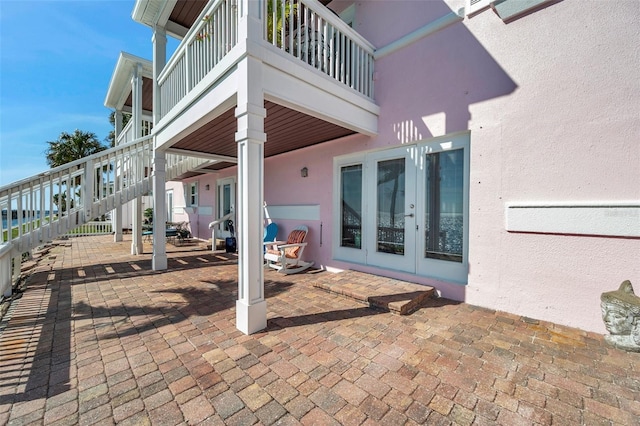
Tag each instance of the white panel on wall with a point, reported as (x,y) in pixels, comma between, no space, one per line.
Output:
(206,211)
(605,219)
(294,212)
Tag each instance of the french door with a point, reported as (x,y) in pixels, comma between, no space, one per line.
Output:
(226,203)
(391,213)
(406,208)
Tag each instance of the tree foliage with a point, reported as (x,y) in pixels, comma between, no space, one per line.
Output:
(72,146)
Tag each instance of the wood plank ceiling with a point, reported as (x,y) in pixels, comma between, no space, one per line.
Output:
(286,130)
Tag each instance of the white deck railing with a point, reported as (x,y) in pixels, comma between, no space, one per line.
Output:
(126,135)
(313,34)
(54,202)
(305,29)
(94,227)
(180,164)
(204,46)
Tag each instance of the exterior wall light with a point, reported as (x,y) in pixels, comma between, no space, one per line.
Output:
(304,172)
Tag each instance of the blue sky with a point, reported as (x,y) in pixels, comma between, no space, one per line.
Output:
(56,61)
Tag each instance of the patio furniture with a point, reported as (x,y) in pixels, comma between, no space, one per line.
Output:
(270,234)
(286,257)
(177,230)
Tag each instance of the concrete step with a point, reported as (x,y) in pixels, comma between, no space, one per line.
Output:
(388,294)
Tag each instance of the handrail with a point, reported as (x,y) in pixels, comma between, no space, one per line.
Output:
(221,220)
(147,126)
(213,35)
(309,31)
(52,203)
(304,29)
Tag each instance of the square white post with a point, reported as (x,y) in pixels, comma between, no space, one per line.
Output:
(6,277)
(251,307)
(136,88)
(159,259)
(116,219)
(159,41)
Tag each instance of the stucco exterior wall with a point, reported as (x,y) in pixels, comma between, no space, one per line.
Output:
(568,133)
(551,101)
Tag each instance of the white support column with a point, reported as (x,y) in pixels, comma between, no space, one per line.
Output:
(116,223)
(136,88)
(17,265)
(118,125)
(159,259)
(159,40)
(251,307)
(6,277)
(88,186)
(136,231)
(116,215)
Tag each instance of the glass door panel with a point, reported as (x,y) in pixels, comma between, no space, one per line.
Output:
(391,212)
(226,204)
(351,206)
(390,221)
(443,231)
(444,219)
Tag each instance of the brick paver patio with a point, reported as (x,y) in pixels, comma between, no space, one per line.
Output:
(99,338)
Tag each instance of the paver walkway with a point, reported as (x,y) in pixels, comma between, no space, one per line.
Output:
(99,338)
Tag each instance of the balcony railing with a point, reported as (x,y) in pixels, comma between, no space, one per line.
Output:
(50,204)
(204,46)
(312,33)
(126,135)
(180,164)
(304,29)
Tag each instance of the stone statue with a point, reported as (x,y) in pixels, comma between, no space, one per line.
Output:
(621,316)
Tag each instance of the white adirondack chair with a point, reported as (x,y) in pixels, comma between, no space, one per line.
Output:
(286,257)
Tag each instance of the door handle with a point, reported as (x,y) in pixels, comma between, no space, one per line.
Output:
(408,215)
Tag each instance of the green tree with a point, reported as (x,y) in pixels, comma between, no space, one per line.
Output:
(72,146)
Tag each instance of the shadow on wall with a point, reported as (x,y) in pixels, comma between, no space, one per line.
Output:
(454,71)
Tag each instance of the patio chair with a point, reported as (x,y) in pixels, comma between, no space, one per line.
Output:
(286,257)
(270,234)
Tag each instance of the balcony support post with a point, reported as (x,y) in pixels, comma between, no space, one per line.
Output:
(88,186)
(251,307)
(116,222)
(117,212)
(117,118)
(159,259)
(136,214)
(159,40)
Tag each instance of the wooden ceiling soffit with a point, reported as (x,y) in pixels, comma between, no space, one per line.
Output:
(147,95)
(186,12)
(286,130)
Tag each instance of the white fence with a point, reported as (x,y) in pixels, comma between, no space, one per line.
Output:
(95,227)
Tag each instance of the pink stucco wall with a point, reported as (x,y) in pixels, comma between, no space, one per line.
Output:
(552,104)
(568,133)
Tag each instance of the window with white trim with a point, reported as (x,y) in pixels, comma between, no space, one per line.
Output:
(192,194)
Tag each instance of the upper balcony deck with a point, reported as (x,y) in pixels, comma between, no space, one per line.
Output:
(316,77)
